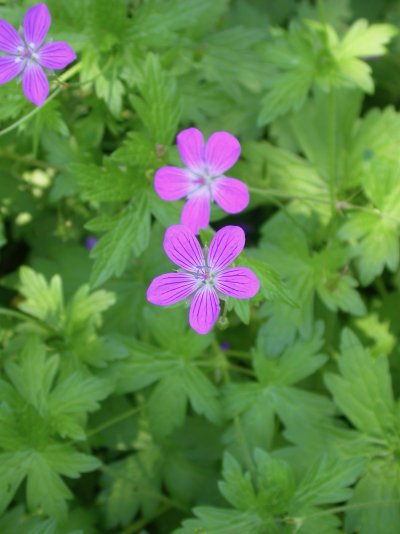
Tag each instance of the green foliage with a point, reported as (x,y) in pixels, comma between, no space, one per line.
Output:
(35,409)
(312,53)
(115,416)
(270,497)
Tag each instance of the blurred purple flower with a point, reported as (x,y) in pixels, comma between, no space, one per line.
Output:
(90,242)
(203,180)
(27,56)
(203,274)
(225,345)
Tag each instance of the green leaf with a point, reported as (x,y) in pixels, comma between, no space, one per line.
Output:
(131,485)
(363,390)
(34,375)
(375,139)
(362,40)
(45,488)
(159,106)
(84,310)
(217,61)
(288,92)
(203,395)
(272,286)
(43,301)
(72,399)
(138,152)
(289,56)
(328,481)
(242,309)
(237,486)
(128,234)
(167,405)
(374,506)
(104,184)
(335,287)
(157,22)
(223,521)
(377,245)
(301,359)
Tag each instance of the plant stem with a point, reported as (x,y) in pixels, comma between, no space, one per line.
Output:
(63,78)
(114,420)
(332,178)
(241,436)
(238,354)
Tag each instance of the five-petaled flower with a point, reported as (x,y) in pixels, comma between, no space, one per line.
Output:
(203,275)
(203,180)
(28,55)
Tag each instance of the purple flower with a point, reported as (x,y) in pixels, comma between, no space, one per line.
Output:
(203,180)
(203,274)
(90,242)
(28,55)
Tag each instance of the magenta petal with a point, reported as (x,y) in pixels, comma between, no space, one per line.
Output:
(191,148)
(225,247)
(172,183)
(196,211)
(222,152)
(36,25)
(181,247)
(238,282)
(9,68)
(35,84)
(170,288)
(230,194)
(56,55)
(10,39)
(204,310)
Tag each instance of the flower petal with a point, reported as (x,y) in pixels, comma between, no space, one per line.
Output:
(196,211)
(172,183)
(170,288)
(225,247)
(9,68)
(191,148)
(56,55)
(36,25)
(238,282)
(10,39)
(230,194)
(181,247)
(204,310)
(35,84)
(222,152)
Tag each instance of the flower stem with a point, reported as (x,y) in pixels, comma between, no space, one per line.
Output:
(63,78)
(332,149)
(113,421)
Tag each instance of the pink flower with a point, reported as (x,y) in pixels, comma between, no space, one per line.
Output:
(203,180)
(203,274)
(28,55)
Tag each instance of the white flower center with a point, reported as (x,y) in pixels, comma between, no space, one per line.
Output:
(27,54)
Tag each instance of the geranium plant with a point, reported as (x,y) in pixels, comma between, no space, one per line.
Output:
(199,267)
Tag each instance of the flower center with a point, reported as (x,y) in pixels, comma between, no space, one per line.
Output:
(204,275)
(27,53)
(203,178)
